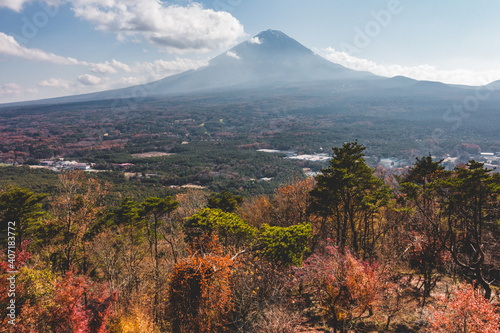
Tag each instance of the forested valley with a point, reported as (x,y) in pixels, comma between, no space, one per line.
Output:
(354,249)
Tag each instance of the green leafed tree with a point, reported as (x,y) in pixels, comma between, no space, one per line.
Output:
(153,210)
(230,228)
(225,201)
(348,199)
(473,211)
(425,231)
(284,245)
(22,206)
(128,215)
(280,245)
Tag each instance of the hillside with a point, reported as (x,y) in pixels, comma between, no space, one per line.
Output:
(352,250)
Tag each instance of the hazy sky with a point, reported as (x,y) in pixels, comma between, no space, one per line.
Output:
(57,48)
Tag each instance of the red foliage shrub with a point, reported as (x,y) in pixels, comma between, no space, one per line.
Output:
(464,311)
(70,306)
(346,287)
(422,252)
(66,311)
(10,288)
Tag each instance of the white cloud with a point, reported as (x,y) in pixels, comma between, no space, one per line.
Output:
(89,80)
(132,80)
(120,65)
(158,69)
(421,72)
(171,27)
(109,67)
(233,55)
(255,40)
(54,83)
(10,89)
(18,5)
(14,92)
(9,46)
(15,5)
(161,68)
(146,71)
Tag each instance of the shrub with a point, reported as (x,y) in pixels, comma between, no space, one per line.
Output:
(285,245)
(262,293)
(464,311)
(346,287)
(230,228)
(200,294)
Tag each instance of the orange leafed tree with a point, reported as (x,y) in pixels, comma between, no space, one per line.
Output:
(257,211)
(76,209)
(287,207)
(200,294)
(290,203)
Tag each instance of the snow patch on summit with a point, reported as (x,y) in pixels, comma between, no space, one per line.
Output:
(255,40)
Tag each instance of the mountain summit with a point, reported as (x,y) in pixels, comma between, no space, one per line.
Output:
(271,43)
(266,59)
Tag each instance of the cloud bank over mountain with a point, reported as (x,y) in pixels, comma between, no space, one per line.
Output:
(421,72)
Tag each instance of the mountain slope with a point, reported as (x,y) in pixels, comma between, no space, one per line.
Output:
(269,60)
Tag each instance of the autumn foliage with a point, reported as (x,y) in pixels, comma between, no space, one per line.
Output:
(465,310)
(347,288)
(45,303)
(200,262)
(70,306)
(200,295)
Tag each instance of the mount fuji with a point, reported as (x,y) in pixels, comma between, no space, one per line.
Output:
(268,61)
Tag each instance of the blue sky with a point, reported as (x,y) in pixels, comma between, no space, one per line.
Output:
(64,47)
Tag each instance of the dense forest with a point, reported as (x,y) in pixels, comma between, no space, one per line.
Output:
(212,140)
(211,125)
(354,249)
